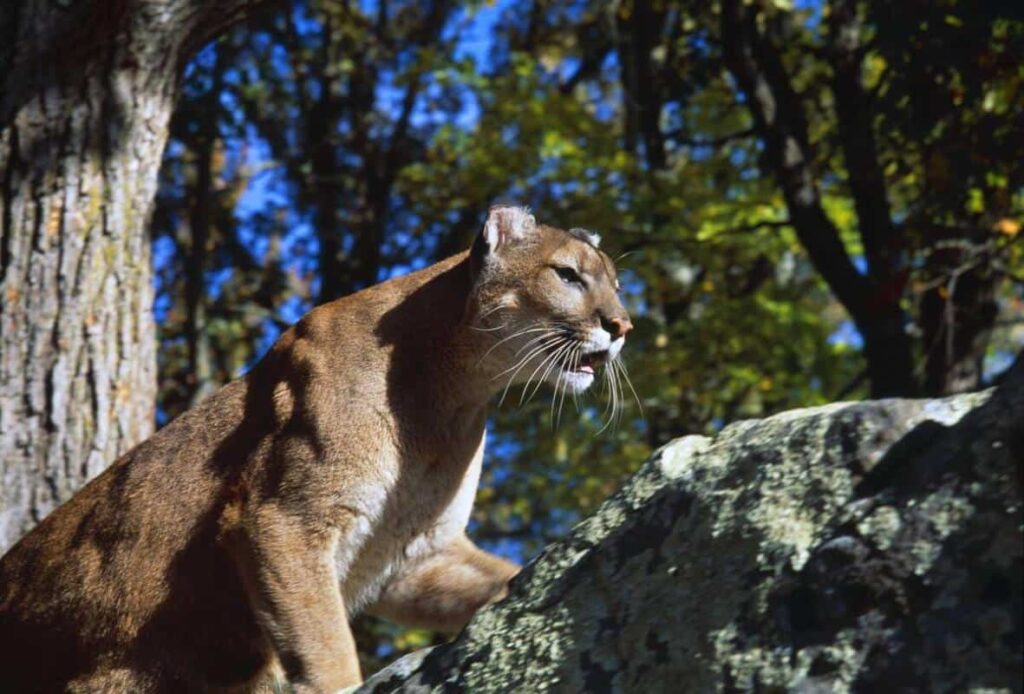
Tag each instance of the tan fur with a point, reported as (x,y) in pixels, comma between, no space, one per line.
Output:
(335,477)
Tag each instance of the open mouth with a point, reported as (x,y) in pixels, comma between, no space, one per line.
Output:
(590,361)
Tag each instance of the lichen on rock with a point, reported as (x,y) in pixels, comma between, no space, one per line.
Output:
(871,546)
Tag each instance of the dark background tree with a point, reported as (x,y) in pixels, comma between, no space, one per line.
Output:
(87,92)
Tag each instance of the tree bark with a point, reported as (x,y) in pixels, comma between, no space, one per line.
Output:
(872,299)
(957,314)
(638,34)
(86,93)
(201,202)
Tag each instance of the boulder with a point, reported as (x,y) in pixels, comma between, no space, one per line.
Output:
(872,546)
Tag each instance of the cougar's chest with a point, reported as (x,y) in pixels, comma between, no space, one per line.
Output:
(418,507)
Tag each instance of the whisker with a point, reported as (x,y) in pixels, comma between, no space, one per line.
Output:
(491,312)
(622,392)
(551,363)
(559,381)
(524,331)
(529,380)
(613,392)
(489,330)
(554,396)
(531,341)
(629,382)
(522,363)
(572,364)
(619,403)
(609,408)
(575,394)
(606,384)
(550,360)
(525,360)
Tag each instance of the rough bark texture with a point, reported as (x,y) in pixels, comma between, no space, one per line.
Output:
(855,547)
(86,92)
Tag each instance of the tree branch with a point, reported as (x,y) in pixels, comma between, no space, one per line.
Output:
(755,62)
(853,115)
(779,120)
(678,137)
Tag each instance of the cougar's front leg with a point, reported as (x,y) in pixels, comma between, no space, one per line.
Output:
(294,589)
(444,590)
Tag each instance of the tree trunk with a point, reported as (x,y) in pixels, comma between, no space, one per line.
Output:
(327,192)
(638,35)
(201,202)
(957,319)
(871,299)
(200,380)
(87,92)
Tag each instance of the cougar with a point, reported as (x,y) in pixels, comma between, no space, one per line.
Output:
(233,546)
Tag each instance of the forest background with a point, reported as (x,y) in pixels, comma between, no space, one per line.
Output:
(809,201)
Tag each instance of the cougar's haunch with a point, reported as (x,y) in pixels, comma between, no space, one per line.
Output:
(337,476)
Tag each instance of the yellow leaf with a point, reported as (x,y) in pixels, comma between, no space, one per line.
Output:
(1007,226)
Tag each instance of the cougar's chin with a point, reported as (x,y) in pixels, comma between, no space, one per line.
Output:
(575,382)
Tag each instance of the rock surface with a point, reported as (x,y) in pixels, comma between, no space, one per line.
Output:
(855,547)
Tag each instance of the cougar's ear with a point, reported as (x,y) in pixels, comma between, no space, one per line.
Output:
(505,225)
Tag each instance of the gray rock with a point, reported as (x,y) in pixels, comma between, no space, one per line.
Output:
(855,547)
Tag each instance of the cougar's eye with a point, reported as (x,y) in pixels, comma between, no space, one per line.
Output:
(568,275)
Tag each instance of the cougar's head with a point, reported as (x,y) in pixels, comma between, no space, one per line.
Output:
(549,300)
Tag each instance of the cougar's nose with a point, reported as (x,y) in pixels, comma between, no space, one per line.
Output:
(617,327)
